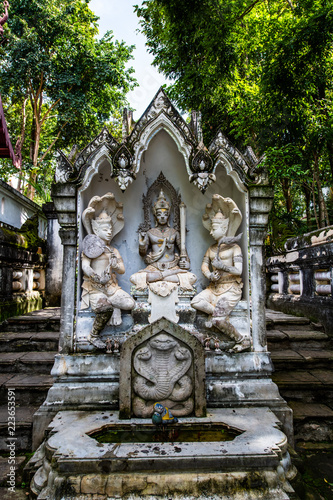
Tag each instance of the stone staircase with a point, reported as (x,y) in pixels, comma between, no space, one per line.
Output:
(27,348)
(303,359)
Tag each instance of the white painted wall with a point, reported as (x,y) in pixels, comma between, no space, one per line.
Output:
(16,209)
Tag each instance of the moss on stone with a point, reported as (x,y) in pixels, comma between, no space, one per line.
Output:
(30,232)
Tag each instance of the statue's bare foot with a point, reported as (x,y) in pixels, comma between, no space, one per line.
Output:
(115,319)
(243,345)
(97,342)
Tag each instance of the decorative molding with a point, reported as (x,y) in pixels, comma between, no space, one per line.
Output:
(104,138)
(161,115)
(123,167)
(64,169)
(90,169)
(125,158)
(202,167)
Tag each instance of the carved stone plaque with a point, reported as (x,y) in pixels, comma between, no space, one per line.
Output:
(162,372)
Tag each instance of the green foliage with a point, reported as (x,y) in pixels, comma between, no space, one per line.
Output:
(263,72)
(60,84)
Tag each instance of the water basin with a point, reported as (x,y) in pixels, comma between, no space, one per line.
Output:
(149,433)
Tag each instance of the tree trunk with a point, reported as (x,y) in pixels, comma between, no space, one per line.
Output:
(286,193)
(34,147)
(31,189)
(19,144)
(307,196)
(323,215)
(330,156)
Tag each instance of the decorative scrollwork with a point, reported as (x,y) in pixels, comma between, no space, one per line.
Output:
(103,138)
(64,169)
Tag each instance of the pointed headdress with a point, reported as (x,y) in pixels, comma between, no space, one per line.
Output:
(101,210)
(222,210)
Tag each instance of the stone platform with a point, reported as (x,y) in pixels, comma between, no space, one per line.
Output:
(73,465)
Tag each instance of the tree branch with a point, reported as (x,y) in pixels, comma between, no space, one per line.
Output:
(52,143)
(290,4)
(248,9)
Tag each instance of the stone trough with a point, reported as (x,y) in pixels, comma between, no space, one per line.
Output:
(254,464)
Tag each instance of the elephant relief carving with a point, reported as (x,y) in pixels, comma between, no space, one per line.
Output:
(163,372)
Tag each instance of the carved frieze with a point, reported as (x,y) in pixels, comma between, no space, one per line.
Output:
(103,138)
(64,169)
(201,163)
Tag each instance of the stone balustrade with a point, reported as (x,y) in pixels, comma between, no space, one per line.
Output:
(22,274)
(301,278)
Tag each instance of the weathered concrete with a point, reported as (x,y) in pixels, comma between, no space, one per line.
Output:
(161,141)
(90,381)
(77,464)
(53,279)
(302,277)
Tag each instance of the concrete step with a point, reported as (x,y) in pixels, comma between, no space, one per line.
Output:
(304,379)
(20,492)
(23,428)
(37,321)
(302,359)
(28,341)
(27,362)
(280,339)
(30,389)
(274,318)
(313,422)
(315,386)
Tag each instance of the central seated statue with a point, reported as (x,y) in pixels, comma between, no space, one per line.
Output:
(165,269)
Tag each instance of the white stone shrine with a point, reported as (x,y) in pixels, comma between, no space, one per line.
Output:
(156,308)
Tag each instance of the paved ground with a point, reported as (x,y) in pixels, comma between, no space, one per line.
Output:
(20,493)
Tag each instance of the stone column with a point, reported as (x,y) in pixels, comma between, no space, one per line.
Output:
(261,199)
(53,280)
(64,197)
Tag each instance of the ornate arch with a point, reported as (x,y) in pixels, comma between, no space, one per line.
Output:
(125,157)
(151,129)
(99,156)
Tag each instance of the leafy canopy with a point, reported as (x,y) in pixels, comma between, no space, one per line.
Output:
(262,71)
(62,81)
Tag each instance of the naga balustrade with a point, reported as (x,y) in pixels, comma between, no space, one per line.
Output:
(301,278)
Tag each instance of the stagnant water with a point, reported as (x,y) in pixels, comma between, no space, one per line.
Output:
(148,433)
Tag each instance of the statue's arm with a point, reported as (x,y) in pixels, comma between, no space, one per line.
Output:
(143,243)
(205,268)
(118,263)
(237,259)
(86,268)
